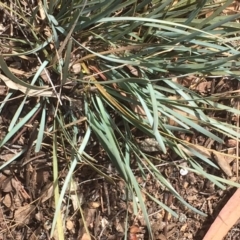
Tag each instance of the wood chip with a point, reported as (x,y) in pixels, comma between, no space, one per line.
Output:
(24,214)
(223,164)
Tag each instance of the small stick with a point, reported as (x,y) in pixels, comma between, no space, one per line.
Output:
(107,197)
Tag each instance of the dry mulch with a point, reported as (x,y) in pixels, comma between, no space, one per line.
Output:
(27,204)
(26,187)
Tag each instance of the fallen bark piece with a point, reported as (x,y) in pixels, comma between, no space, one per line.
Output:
(223,164)
(24,214)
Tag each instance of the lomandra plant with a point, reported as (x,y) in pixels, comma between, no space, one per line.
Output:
(121,59)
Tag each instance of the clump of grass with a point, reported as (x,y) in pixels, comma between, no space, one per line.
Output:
(117,59)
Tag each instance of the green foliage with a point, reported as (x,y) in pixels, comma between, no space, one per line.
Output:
(138,46)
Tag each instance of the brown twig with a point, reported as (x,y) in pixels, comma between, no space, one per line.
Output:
(27,169)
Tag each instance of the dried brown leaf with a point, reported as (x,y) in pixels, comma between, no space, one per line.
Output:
(76,68)
(119,225)
(6,157)
(231,143)
(89,214)
(47,192)
(185,81)
(133,70)
(204,151)
(76,198)
(45,75)
(86,237)
(75,201)
(7,201)
(94,204)
(223,163)
(7,185)
(16,185)
(3,90)
(204,87)
(184,227)
(69,225)
(29,92)
(24,214)
(134,229)
(42,177)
